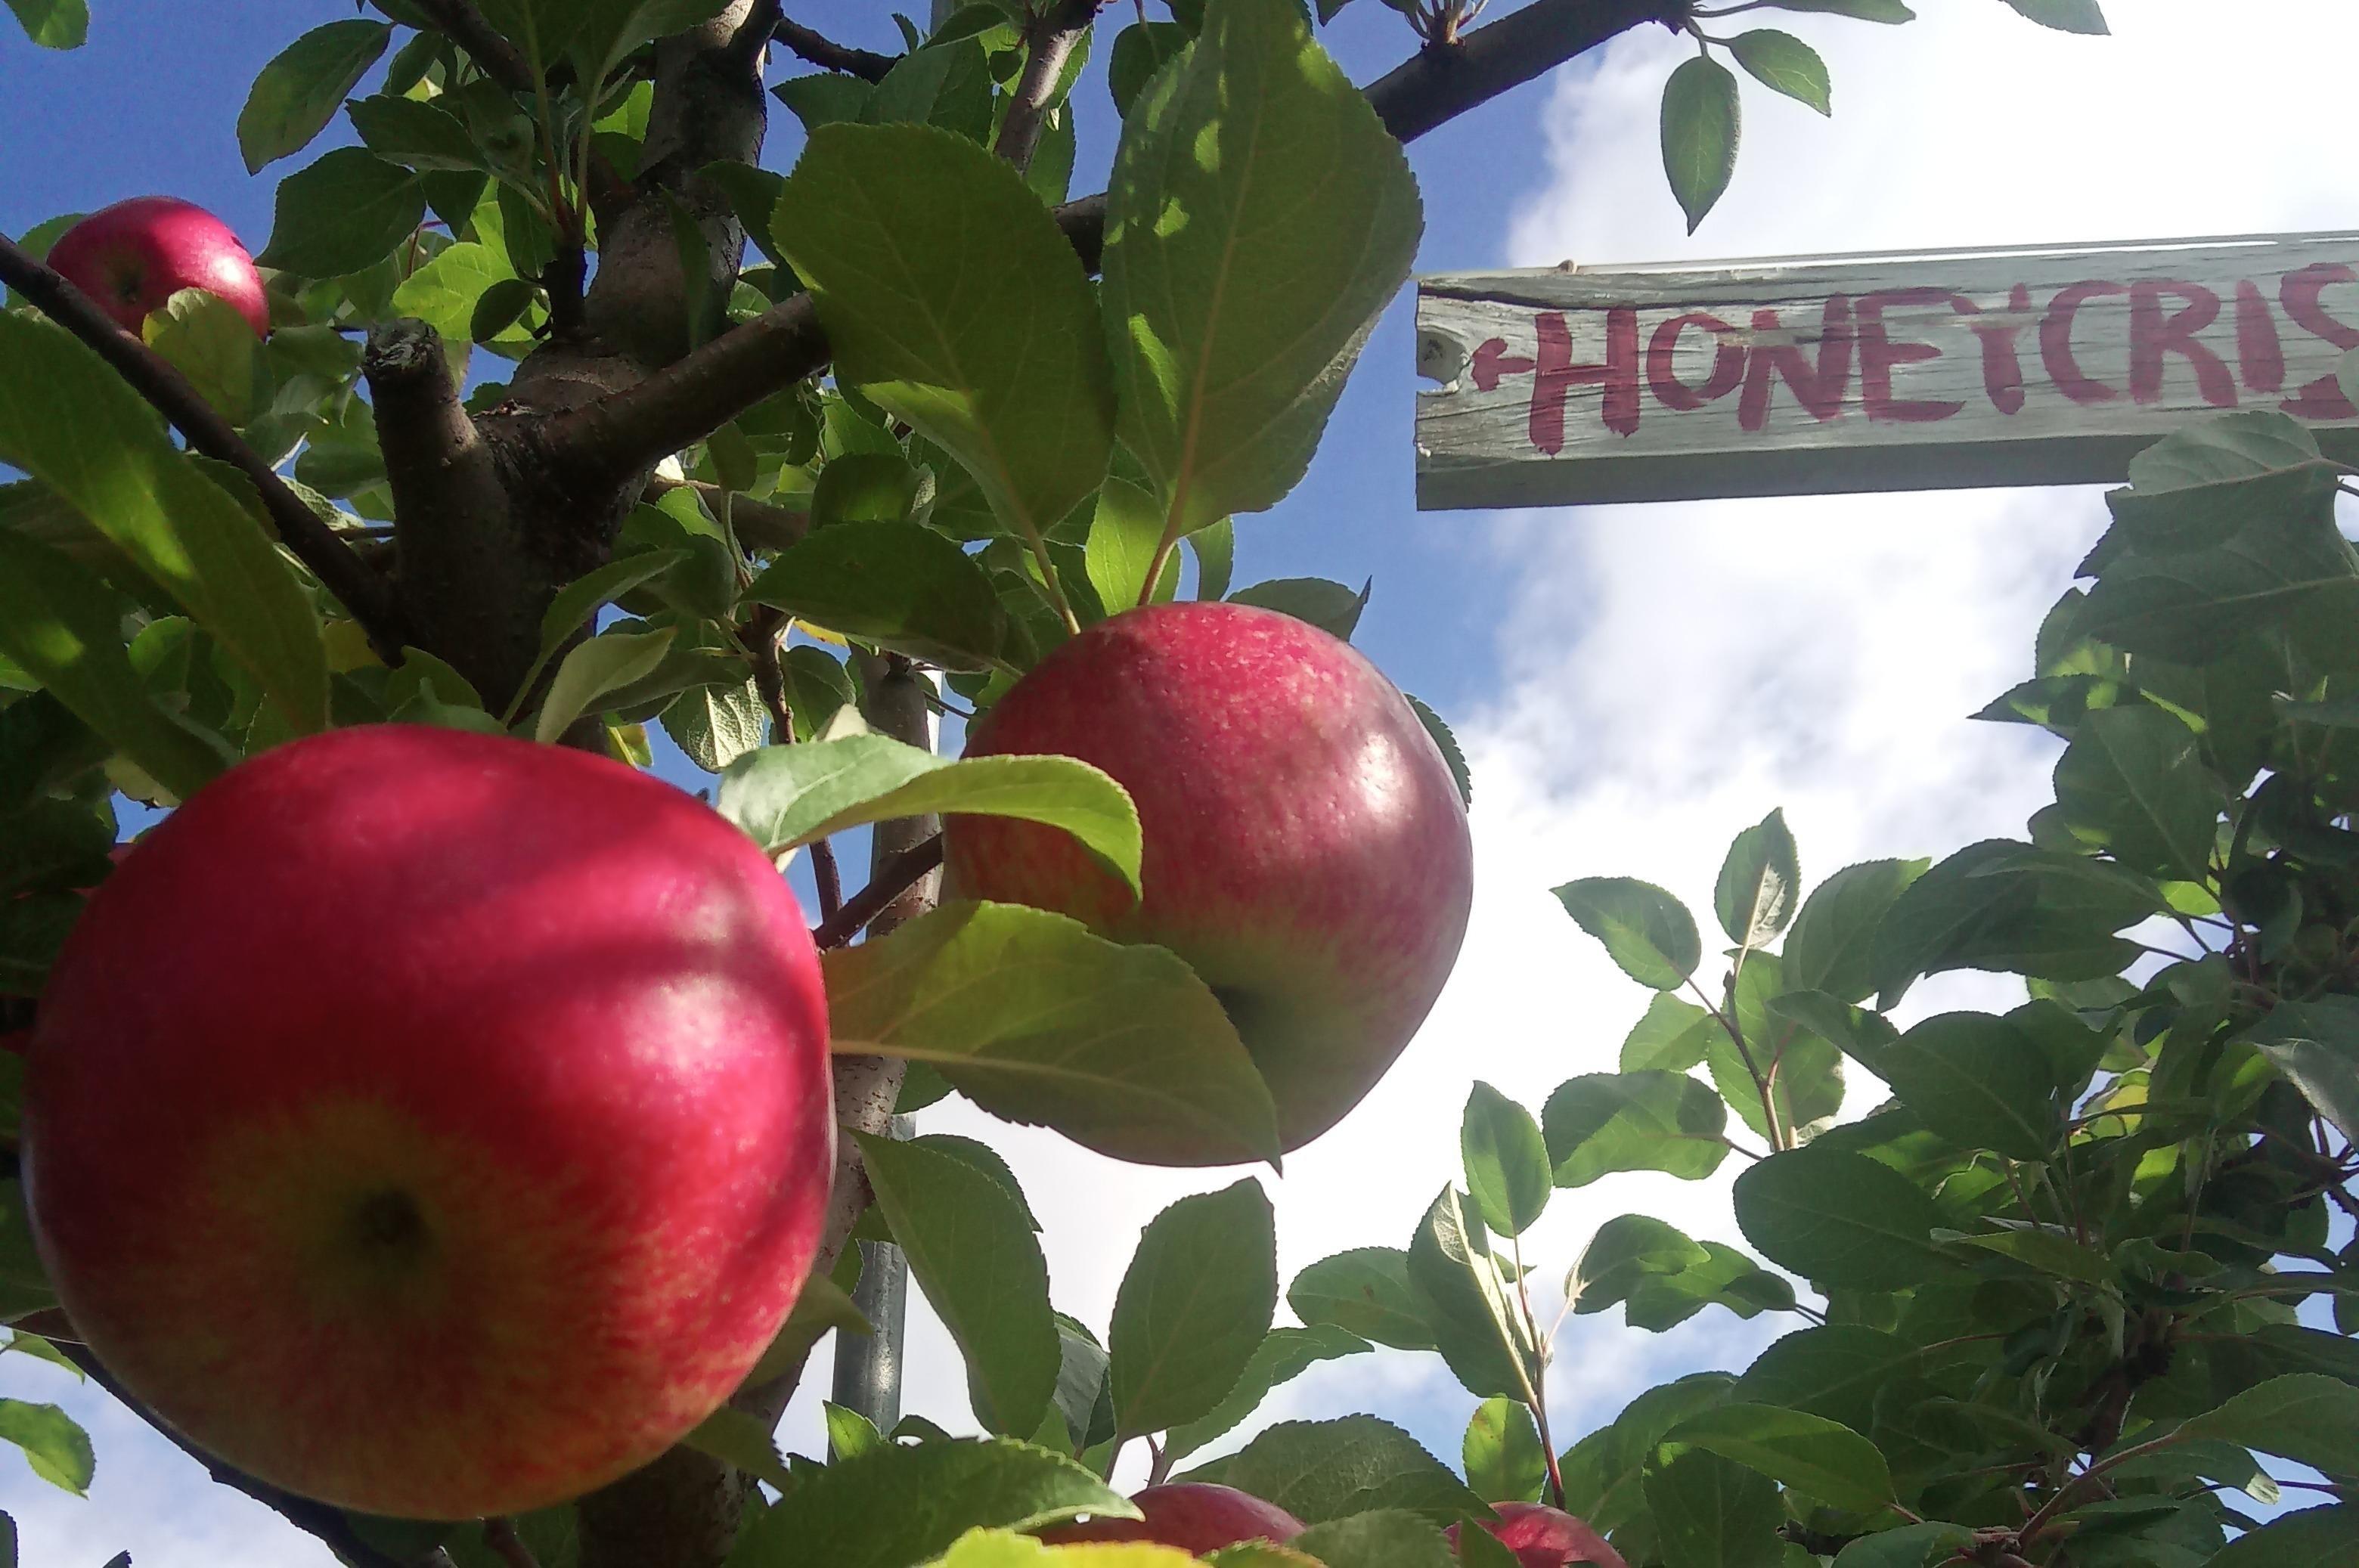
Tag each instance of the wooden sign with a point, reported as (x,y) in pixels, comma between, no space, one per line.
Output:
(1817,375)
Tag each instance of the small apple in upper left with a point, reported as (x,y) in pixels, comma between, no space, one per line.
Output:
(132,258)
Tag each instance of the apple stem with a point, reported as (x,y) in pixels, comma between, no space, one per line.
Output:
(500,1535)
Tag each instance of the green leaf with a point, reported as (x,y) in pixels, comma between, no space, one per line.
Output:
(1834,1371)
(1645,931)
(2132,783)
(820,1308)
(951,300)
(2205,484)
(445,292)
(975,1255)
(1504,1460)
(56,1448)
(1283,1354)
(1625,1251)
(1384,1538)
(2013,909)
(2313,1538)
(298,92)
(1909,1546)
(948,86)
(785,795)
(2316,1046)
(818,687)
(906,1504)
(208,340)
(1366,1292)
(739,1438)
(1194,1306)
(2065,16)
(1605,1122)
(24,1288)
(63,625)
(1452,756)
(1701,124)
(1784,63)
(1759,882)
(1830,946)
(597,668)
(1508,1171)
(898,585)
(1603,1472)
(1215,549)
(1808,1452)
(579,600)
(1725,1277)
(1672,1037)
(1319,1471)
(1121,1049)
(1837,1219)
(343,213)
(414,131)
(1976,1080)
(1139,51)
(1711,1513)
(54,24)
(2308,1417)
(2050,1252)
(69,420)
(1229,351)
(607,30)
(1329,606)
(1475,1324)
(864,487)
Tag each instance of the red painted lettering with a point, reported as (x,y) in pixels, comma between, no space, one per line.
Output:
(1556,376)
(1492,361)
(2154,335)
(2001,364)
(2056,344)
(2260,352)
(1878,355)
(2303,296)
(1663,370)
(1819,387)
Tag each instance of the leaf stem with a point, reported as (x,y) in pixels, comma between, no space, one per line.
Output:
(1539,1387)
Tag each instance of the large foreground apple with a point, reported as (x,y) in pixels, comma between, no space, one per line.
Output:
(434,1124)
(1194,1515)
(1307,850)
(134,257)
(1542,1537)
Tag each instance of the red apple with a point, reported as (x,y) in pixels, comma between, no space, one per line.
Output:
(134,257)
(433,1124)
(1194,1515)
(1542,1537)
(1306,848)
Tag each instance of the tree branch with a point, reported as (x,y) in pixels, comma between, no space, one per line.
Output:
(458,21)
(892,879)
(317,1520)
(361,590)
(829,54)
(699,394)
(1049,39)
(760,524)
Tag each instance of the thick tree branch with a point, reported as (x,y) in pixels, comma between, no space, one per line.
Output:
(327,1524)
(1442,81)
(829,54)
(698,395)
(361,590)
(458,21)
(1049,44)
(893,879)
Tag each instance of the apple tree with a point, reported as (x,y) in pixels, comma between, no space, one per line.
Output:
(573,418)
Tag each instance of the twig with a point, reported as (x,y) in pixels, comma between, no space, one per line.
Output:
(765,628)
(896,877)
(1049,39)
(1539,1383)
(500,1535)
(361,590)
(461,22)
(760,524)
(687,401)
(829,54)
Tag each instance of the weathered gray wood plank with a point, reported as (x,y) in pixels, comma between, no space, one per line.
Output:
(1828,375)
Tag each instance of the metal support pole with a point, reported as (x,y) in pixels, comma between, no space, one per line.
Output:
(868,1367)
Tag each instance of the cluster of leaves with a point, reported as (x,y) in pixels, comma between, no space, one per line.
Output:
(2061,1273)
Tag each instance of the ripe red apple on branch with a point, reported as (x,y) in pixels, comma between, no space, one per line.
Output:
(1195,1516)
(1306,849)
(1543,1537)
(132,258)
(433,1124)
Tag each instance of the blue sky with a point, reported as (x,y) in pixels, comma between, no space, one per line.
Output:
(1633,684)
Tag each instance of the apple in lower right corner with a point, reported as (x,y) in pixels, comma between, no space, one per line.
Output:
(132,258)
(1543,1537)
(1307,850)
(1194,1515)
